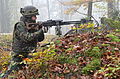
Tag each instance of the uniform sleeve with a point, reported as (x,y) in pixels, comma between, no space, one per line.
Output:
(26,36)
(41,36)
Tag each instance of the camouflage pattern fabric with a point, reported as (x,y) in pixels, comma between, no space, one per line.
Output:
(16,60)
(24,42)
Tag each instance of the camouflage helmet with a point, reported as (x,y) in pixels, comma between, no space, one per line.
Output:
(29,10)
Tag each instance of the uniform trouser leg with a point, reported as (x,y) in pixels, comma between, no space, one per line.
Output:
(15,63)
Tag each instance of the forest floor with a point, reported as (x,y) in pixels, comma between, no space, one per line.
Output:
(94,55)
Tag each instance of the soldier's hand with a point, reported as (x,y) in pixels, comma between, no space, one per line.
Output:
(45,29)
(40,24)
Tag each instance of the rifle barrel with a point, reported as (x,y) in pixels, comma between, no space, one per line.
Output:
(70,22)
(59,22)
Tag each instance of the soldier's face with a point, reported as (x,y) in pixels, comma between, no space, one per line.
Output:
(34,18)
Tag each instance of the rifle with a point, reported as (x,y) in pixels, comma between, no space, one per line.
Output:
(58,23)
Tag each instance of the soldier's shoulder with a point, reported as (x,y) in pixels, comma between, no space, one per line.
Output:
(19,24)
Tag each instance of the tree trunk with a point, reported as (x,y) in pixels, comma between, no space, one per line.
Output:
(113,9)
(48,8)
(110,9)
(4,16)
(90,10)
(0,15)
(32,2)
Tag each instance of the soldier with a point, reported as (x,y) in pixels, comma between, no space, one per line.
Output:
(24,38)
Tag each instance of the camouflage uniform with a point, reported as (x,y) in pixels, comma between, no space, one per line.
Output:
(24,42)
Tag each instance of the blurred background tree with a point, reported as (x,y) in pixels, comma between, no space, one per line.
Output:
(57,9)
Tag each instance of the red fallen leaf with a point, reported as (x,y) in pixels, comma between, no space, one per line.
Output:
(76,69)
(66,65)
(80,63)
(73,68)
(107,53)
(57,77)
(85,77)
(73,77)
(116,49)
(80,59)
(77,47)
(66,41)
(117,54)
(51,76)
(112,43)
(70,43)
(66,71)
(94,43)
(84,63)
(62,77)
(66,46)
(84,41)
(79,36)
(39,75)
(83,49)
(57,69)
(98,76)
